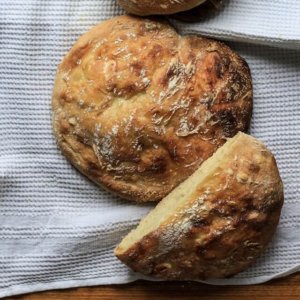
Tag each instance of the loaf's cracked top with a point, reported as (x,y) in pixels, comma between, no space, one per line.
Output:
(137,108)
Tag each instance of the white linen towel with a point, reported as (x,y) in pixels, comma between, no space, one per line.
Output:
(57,229)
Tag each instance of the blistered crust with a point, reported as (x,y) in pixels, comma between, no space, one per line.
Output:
(137,108)
(224,226)
(162,7)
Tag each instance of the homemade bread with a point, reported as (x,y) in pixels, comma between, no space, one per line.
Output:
(137,108)
(214,224)
(162,7)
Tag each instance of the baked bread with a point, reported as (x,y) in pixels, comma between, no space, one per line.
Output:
(216,223)
(162,7)
(137,108)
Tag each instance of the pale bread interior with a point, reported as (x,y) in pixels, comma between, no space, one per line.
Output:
(179,195)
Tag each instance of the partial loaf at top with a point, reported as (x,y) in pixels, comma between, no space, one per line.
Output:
(162,7)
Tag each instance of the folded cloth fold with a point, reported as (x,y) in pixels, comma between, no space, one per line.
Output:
(274,23)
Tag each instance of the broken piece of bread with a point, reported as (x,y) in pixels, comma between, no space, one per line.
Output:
(214,224)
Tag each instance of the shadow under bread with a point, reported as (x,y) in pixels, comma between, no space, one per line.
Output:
(208,9)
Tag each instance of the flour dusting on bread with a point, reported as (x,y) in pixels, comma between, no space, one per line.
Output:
(216,223)
(137,108)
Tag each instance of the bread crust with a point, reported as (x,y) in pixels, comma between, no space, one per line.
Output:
(224,226)
(162,7)
(137,108)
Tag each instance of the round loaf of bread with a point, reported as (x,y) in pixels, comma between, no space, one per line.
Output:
(216,223)
(162,7)
(137,108)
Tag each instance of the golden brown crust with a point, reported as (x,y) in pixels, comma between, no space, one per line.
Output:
(225,224)
(137,108)
(162,7)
